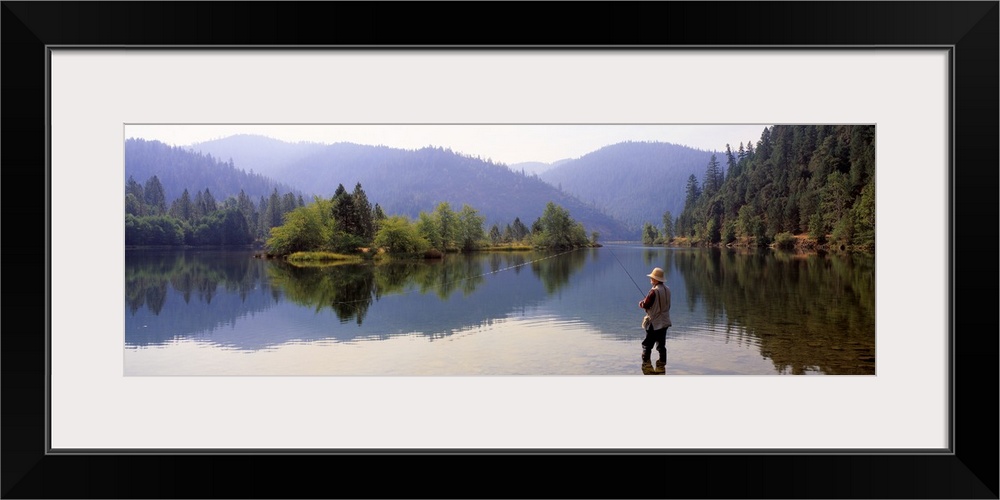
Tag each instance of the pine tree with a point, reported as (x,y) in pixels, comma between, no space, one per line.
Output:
(730,163)
(366,225)
(713,177)
(198,206)
(692,192)
(209,206)
(135,189)
(518,230)
(274,213)
(378,216)
(245,206)
(495,236)
(182,207)
(345,212)
(156,200)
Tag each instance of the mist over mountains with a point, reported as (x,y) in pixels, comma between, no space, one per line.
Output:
(611,191)
(634,182)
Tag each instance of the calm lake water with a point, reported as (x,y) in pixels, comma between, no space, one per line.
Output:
(223,312)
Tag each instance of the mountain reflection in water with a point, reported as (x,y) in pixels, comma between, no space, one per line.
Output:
(733,312)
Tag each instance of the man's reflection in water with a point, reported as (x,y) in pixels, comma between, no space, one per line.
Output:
(660,368)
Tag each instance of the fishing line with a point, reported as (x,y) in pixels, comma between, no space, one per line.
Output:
(626,272)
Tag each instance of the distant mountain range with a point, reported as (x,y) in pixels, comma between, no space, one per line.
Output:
(536,167)
(634,182)
(611,191)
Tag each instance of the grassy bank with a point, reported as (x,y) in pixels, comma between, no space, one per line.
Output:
(322,258)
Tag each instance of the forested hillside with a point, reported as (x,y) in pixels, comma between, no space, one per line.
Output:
(796,180)
(176,197)
(403,182)
(813,180)
(178,169)
(633,182)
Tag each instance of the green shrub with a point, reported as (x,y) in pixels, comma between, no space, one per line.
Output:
(784,240)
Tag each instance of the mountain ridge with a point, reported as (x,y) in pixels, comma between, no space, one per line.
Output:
(612,190)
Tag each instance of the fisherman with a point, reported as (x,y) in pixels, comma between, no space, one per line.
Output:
(657,306)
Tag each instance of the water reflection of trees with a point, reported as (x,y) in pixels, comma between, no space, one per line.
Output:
(346,289)
(555,272)
(445,276)
(806,312)
(194,293)
(197,275)
(350,289)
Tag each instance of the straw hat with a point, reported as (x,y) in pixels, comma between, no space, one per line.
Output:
(657,275)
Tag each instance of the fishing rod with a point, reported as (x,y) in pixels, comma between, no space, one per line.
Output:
(626,272)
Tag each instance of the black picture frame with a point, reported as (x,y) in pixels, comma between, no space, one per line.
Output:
(969,471)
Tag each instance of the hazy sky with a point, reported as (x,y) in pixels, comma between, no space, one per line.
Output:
(508,144)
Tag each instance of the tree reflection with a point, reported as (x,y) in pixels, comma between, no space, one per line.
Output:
(555,272)
(210,289)
(347,289)
(195,275)
(786,302)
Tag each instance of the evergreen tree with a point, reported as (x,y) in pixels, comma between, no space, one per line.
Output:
(668,226)
(713,177)
(135,189)
(693,191)
(649,233)
(345,212)
(245,205)
(156,201)
(864,216)
(518,230)
(730,162)
(289,202)
(495,236)
(836,199)
(263,219)
(366,224)
(377,217)
(209,206)
(133,206)
(861,156)
(274,213)
(198,206)
(508,234)
(182,208)
(536,227)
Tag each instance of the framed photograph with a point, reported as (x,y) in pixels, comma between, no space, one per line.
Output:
(88,391)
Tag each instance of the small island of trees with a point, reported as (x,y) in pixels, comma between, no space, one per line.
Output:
(347,226)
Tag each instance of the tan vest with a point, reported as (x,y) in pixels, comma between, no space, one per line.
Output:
(659,312)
